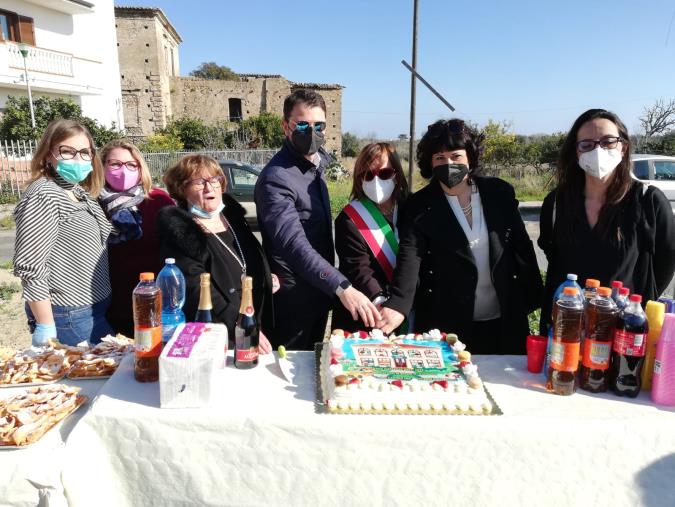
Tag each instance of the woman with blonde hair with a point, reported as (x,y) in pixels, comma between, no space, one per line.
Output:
(131,204)
(207,233)
(366,232)
(60,253)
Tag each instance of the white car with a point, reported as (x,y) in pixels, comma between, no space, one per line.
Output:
(657,170)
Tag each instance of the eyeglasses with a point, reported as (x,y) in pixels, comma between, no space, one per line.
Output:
(384,174)
(69,153)
(200,183)
(302,126)
(607,143)
(116,165)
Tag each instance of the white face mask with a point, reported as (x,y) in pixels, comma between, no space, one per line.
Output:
(378,190)
(600,162)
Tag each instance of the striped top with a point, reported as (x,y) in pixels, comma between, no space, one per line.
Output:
(60,252)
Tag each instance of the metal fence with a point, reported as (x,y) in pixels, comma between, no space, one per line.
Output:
(16,156)
(15,160)
(160,162)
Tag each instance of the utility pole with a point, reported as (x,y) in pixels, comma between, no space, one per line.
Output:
(411,151)
(23,49)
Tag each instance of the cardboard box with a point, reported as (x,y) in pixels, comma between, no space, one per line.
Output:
(189,363)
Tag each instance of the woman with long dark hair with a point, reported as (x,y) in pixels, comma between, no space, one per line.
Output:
(601,223)
(466,264)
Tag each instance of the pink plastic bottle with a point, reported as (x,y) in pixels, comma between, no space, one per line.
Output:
(663,383)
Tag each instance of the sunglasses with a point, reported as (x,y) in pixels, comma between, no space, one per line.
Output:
(116,165)
(607,143)
(302,126)
(385,173)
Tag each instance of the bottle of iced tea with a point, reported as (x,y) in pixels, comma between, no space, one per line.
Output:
(591,289)
(600,321)
(568,319)
(147,304)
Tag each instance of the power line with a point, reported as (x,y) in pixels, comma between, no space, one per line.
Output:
(670,25)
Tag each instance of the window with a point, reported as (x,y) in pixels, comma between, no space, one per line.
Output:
(235,109)
(641,169)
(242,178)
(664,170)
(16,28)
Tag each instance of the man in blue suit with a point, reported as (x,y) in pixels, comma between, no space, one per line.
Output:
(296,226)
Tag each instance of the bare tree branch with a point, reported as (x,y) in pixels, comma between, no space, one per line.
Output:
(659,118)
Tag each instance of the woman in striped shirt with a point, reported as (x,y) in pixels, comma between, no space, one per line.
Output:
(61,234)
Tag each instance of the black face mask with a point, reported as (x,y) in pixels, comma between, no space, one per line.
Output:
(450,174)
(307,142)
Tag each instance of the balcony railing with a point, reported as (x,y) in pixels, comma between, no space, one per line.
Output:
(41,60)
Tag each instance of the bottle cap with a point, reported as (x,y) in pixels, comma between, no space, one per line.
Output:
(205,278)
(146,277)
(169,260)
(616,284)
(572,276)
(570,291)
(604,291)
(635,298)
(624,291)
(592,282)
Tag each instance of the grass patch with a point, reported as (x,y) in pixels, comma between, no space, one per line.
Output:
(530,187)
(7,265)
(7,290)
(7,222)
(339,194)
(6,198)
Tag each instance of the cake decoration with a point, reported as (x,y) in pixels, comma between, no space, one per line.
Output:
(415,373)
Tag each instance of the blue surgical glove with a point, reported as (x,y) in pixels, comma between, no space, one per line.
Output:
(42,333)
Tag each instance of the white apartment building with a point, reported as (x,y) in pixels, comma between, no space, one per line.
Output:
(72,52)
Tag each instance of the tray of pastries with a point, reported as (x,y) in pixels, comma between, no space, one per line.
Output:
(26,416)
(37,365)
(102,360)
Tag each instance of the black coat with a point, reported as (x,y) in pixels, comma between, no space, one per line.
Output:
(183,239)
(359,265)
(644,259)
(436,272)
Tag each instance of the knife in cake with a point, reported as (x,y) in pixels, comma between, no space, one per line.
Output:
(284,364)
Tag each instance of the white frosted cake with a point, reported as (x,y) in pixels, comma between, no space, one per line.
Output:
(429,373)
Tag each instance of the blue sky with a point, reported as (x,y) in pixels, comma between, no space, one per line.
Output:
(537,64)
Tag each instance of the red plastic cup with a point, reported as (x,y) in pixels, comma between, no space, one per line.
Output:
(536,350)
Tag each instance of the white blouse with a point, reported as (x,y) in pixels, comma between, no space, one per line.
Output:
(486,303)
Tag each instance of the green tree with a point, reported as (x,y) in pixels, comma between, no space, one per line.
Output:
(192,132)
(161,143)
(501,148)
(211,70)
(266,130)
(16,124)
(350,145)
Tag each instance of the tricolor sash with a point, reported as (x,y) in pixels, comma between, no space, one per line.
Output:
(379,235)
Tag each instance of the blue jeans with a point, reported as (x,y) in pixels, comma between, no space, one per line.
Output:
(75,324)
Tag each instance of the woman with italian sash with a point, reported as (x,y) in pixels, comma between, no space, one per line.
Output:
(366,235)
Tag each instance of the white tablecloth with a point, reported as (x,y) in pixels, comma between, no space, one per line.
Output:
(263,444)
(34,472)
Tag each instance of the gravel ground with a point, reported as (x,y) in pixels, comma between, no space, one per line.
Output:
(14,330)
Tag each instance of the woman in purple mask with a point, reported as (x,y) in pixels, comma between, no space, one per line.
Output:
(131,205)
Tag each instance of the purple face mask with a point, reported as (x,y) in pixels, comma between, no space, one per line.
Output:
(122,178)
